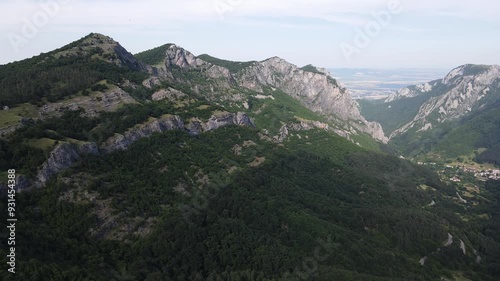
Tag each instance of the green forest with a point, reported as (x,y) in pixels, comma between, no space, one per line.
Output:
(232,203)
(255,224)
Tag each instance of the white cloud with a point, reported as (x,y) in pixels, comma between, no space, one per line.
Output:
(156,12)
(157,18)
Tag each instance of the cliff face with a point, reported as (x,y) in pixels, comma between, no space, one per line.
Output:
(178,57)
(413,91)
(61,158)
(461,92)
(316,90)
(123,141)
(173,122)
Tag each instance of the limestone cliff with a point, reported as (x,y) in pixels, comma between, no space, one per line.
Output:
(123,141)
(461,92)
(316,90)
(64,155)
(61,158)
(173,122)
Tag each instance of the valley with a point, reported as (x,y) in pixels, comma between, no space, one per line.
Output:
(166,165)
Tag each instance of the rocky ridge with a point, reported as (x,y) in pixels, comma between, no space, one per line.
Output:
(106,101)
(306,125)
(174,122)
(61,158)
(65,155)
(464,88)
(317,91)
(107,49)
(412,91)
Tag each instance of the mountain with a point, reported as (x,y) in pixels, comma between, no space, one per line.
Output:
(313,87)
(454,116)
(169,166)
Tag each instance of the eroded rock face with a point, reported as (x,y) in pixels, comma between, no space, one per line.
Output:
(10,129)
(306,125)
(460,92)
(123,141)
(225,119)
(65,155)
(107,101)
(317,91)
(61,158)
(151,82)
(169,94)
(215,71)
(173,122)
(176,56)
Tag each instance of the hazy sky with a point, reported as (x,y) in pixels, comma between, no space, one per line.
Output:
(328,33)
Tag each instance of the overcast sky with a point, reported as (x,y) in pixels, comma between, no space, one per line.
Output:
(328,33)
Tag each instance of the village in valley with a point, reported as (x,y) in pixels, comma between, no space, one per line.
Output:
(460,172)
(481,175)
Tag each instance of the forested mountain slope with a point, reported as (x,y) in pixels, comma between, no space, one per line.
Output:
(452,117)
(180,167)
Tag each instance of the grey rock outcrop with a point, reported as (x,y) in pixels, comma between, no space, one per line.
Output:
(224,119)
(169,94)
(61,158)
(10,129)
(173,122)
(151,82)
(460,93)
(413,91)
(316,90)
(64,155)
(179,57)
(93,105)
(307,125)
(154,125)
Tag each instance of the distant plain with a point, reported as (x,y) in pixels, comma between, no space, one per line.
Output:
(365,83)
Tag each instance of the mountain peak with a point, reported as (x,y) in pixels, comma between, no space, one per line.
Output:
(274,59)
(96,35)
(315,69)
(100,47)
(462,91)
(468,70)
